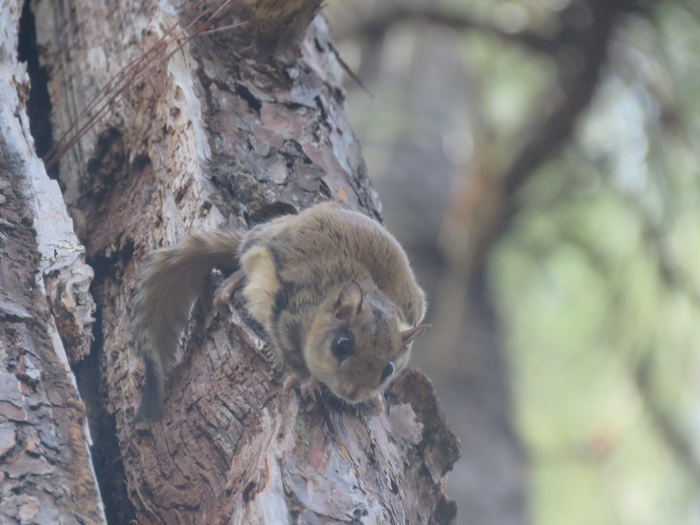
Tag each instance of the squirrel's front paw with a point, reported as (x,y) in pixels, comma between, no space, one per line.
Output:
(309,387)
(375,410)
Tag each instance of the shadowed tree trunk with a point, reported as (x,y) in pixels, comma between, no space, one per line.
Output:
(223,131)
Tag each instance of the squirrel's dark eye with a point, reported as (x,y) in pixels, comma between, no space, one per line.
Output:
(343,346)
(387,372)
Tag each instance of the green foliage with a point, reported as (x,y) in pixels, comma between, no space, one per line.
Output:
(599,279)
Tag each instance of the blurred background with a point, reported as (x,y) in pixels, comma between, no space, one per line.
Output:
(540,161)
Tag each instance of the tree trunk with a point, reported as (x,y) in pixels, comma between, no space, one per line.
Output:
(226,129)
(46,473)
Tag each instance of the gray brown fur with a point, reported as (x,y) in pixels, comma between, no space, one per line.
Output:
(172,281)
(297,268)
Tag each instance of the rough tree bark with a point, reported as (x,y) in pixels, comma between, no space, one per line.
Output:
(46,473)
(230,126)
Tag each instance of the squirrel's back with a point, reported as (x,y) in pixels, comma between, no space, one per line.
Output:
(327,246)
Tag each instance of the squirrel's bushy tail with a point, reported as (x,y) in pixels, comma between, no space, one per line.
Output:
(173,280)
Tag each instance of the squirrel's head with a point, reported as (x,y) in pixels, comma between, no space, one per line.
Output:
(358,343)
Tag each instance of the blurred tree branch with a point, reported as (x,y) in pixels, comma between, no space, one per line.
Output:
(674,439)
(380,24)
(692,8)
(589,27)
(670,274)
(586,31)
(672,436)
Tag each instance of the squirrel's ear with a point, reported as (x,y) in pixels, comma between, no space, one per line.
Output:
(414,333)
(349,301)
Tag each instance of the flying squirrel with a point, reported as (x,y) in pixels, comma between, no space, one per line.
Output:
(332,288)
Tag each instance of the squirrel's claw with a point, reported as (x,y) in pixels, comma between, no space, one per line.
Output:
(309,387)
(375,410)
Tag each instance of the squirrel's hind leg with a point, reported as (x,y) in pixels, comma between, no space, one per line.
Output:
(222,296)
